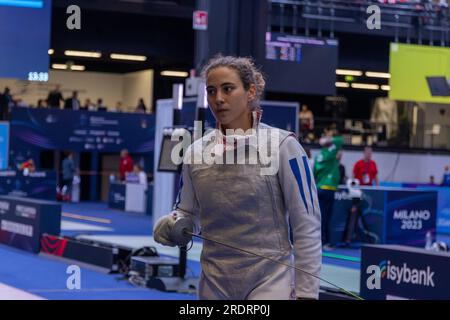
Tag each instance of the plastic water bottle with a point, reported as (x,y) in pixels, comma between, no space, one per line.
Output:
(428,240)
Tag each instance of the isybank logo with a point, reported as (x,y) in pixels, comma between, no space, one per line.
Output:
(398,274)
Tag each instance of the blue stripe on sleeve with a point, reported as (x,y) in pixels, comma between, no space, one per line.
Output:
(308,179)
(296,171)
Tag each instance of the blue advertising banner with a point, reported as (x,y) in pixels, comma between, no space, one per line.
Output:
(116,196)
(38,185)
(188,112)
(443,206)
(409,216)
(443,203)
(387,215)
(52,129)
(391,272)
(443,221)
(369,227)
(4,145)
(23,221)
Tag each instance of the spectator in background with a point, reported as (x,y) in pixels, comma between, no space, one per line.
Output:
(326,173)
(73,102)
(141,108)
(68,172)
(126,164)
(306,120)
(41,103)
(87,105)
(20,103)
(5,104)
(446,177)
(365,170)
(142,176)
(117,108)
(55,97)
(432,181)
(27,166)
(343,176)
(100,106)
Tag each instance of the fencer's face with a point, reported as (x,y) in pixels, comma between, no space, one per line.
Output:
(228,98)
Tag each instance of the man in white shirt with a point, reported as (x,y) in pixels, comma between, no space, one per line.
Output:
(142,176)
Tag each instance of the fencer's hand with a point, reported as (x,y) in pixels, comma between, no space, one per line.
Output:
(163,229)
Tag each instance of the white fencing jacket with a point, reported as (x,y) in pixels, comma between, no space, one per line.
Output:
(237,205)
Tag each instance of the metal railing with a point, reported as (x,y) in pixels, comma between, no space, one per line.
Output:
(412,17)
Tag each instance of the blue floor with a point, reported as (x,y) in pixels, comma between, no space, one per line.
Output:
(122,222)
(47,278)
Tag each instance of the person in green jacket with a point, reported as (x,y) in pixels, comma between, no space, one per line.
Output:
(327,175)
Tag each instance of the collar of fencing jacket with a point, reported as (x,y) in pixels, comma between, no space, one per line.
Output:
(230,141)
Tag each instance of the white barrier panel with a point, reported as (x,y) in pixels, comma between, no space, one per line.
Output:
(164,183)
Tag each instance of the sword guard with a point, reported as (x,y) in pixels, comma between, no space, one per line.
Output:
(179,235)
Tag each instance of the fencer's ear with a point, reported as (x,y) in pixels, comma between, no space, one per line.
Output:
(251,93)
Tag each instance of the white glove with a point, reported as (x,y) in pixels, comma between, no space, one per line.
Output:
(163,229)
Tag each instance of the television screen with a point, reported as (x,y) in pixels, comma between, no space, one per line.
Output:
(295,64)
(165,157)
(439,86)
(25,39)
(419,73)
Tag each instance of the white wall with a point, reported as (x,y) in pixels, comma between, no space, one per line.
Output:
(138,85)
(126,88)
(400,167)
(92,85)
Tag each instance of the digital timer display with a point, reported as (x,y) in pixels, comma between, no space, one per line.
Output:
(38,76)
(299,64)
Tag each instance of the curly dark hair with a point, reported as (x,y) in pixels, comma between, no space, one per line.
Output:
(245,68)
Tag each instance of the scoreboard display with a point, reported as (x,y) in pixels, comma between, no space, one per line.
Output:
(295,64)
(25,39)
